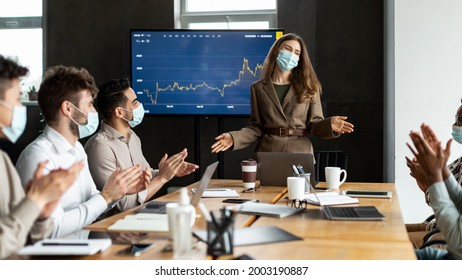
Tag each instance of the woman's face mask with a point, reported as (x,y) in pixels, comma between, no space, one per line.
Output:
(287,60)
(457,133)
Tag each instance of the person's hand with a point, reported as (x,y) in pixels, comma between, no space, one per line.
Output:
(339,125)
(185,169)
(417,173)
(145,179)
(169,166)
(46,190)
(120,182)
(431,161)
(432,140)
(224,142)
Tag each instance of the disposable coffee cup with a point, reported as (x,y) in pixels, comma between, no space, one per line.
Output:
(249,173)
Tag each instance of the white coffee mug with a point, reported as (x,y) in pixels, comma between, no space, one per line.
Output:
(333,175)
(171,208)
(296,187)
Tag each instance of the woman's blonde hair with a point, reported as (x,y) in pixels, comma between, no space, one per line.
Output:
(303,78)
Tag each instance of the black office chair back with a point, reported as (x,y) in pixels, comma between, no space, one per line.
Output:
(328,158)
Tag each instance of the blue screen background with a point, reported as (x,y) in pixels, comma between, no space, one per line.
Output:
(197,72)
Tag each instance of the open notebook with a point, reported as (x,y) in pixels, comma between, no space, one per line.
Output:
(329,198)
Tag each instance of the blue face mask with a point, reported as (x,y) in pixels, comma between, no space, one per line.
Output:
(90,127)
(457,133)
(287,60)
(18,122)
(138,115)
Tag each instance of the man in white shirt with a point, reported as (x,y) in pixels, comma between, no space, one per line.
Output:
(66,99)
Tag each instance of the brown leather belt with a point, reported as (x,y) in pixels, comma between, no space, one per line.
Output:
(285,132)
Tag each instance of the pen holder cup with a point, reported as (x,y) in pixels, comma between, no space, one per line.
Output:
(220,237)
(307,180)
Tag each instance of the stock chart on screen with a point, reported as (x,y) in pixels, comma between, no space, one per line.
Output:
(198,72)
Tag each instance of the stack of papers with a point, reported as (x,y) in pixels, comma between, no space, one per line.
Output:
(218,193)
(53,247)
(329,198)
(142,222)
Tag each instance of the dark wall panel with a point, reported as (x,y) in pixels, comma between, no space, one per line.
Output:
(345,41)
(344,38)
(349,41)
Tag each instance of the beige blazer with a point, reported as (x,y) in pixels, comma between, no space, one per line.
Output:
(18,214)
(267,112)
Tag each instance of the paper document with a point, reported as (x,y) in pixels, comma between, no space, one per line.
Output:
(142,222)
(330,198)
(66,247)
(218,193)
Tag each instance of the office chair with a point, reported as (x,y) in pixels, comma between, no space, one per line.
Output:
(328,158)
(434,238)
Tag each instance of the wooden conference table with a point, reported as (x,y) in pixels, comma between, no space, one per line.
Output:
(322,239)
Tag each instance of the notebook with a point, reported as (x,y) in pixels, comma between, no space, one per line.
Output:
(329,198)
(359,213)
(159,207)
(265,209)
(53,247)
(274,168)
(142,222)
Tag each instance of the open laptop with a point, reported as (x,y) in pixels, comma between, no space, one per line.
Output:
(274,167)
(159,207)
(350,213)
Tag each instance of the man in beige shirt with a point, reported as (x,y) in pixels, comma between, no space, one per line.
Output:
(24,214)
(116,145)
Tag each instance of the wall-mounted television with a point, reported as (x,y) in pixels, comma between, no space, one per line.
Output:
(197,72)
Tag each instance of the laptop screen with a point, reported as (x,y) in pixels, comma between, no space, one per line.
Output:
(274,167)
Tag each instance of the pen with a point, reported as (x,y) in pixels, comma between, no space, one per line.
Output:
(294,168)
(63,244)
(205,212)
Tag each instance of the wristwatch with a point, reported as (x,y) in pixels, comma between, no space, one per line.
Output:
(427,198)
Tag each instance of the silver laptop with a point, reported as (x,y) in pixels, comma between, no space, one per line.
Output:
(274,167)
(354,213)
(159,207)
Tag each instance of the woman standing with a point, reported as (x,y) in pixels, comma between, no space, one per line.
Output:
(285,105)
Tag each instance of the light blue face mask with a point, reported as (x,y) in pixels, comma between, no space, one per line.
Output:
(457,133)
(138,115)
(18,122)
(287,60)
(90,127)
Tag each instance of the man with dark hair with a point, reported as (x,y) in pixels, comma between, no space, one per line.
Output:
(24,214)
(117,146)
(66,98)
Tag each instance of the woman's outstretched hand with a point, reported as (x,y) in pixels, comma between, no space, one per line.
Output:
(340,125)
(224,142)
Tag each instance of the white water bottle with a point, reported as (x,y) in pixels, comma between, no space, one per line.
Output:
(182,235)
